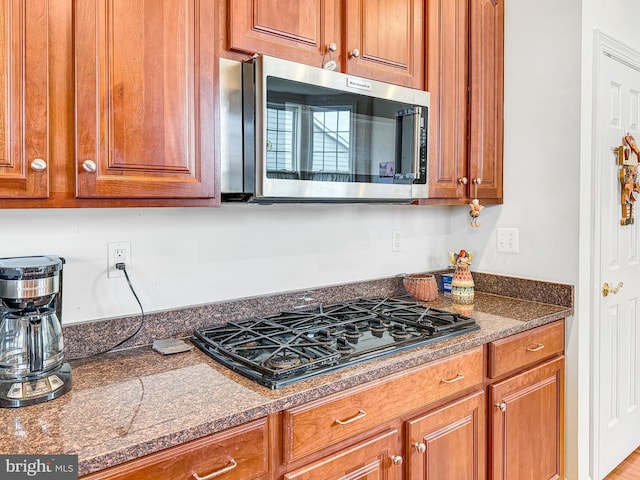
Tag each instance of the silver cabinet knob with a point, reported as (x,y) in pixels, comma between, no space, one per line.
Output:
(463,180)
(420,447)
(38,164)
(477,181)
(396,460)
(89,166)
(332,47)
(355,52)
(501,406)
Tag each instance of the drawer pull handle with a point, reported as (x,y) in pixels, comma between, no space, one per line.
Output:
(455,379)
(361,414)
(501,406)
(537,348)
(396,460)
(232,464)
(420,447)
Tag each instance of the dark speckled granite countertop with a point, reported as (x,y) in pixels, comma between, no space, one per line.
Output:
(133,402)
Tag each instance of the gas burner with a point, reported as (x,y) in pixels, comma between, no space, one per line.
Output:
(323,336)
(351,331)
(426,324)
(344,346)
(400,331)
(377,325)
(285,360)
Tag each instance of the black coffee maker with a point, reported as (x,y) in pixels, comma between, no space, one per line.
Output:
(32,367)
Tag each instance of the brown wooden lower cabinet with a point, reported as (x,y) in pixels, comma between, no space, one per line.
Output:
(317,425)
(527,418)
(376,458)
(448,443)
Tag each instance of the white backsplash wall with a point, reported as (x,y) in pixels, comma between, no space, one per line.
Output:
(191,256)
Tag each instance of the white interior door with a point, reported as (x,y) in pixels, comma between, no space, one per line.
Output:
(616,337)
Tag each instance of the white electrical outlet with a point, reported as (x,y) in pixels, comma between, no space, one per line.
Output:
(507,240)
(396,240)
(118,252)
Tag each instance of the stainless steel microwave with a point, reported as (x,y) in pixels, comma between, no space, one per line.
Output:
(314,135)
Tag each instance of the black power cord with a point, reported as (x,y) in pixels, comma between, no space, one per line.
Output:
(122,266)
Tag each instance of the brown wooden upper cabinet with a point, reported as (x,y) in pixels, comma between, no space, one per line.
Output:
(378,39)
(465,78)
(24,125)
(107,103)
(145,116)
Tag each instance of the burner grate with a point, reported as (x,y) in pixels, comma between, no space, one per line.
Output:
(291,346)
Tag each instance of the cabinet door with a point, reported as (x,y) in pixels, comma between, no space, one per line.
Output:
(24,121)
(527,418)
(290,29)
(447,81)
(374,459)
(145,82)
(487,97)
(448,443)
(385,40)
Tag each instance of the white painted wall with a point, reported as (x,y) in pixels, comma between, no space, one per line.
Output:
(183,257)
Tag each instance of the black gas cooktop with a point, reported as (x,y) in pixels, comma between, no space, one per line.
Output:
(291,346)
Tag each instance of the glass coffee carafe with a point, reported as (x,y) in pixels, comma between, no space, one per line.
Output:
(32,367)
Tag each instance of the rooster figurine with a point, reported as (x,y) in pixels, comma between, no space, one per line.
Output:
(474,210)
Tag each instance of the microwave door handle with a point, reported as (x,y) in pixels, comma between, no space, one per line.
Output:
(416,143)
(416,113)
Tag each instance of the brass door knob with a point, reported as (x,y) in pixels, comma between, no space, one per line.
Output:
(606,289)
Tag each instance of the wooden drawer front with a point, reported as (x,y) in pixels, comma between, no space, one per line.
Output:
(311,427)
(376,458)
(518,351)
(240,454)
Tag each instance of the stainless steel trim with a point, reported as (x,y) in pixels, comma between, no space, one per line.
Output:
(34,288)
(317,76)
(231,126)
(416,144)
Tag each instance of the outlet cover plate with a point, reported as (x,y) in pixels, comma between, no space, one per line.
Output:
(118,252)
